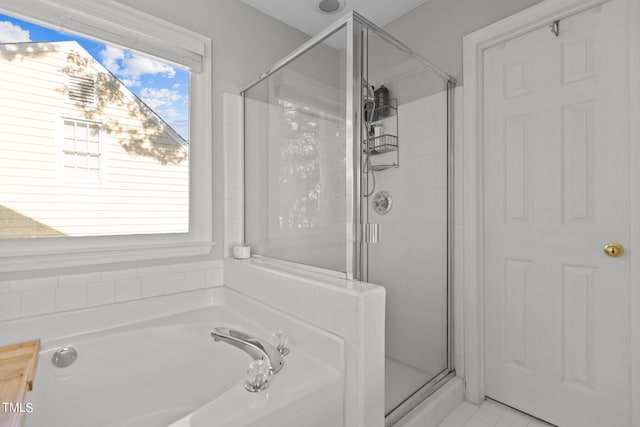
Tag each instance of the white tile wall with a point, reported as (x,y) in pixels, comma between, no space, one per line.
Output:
(32,297)
(352,310)
(234,172)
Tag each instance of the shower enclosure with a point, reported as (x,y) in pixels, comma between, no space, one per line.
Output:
(348,170)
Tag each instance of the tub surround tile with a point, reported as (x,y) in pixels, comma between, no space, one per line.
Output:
(127,289)
(78,279)
(101,293)
(175,282)
(215,277)
(157,270)
(108,287)
(107,276)
(323,307)
(196,279)
(345,323)
(39,301)
(10,305)
(53,325)
(33,284)
(151,286)
(71,297)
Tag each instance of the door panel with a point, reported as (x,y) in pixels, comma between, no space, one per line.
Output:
(556,189)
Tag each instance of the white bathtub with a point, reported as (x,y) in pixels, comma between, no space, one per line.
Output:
(169,371)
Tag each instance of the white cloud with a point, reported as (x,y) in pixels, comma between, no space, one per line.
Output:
(111,56)
(155,98)
(128,67)
(168,113)
(12,33)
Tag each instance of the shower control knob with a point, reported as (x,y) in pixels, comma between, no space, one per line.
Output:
(382,202)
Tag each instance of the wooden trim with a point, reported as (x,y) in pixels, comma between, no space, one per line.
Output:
(18,364)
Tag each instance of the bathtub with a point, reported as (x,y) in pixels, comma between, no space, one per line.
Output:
(168,371)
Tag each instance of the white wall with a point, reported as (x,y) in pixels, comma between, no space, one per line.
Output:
(435,29)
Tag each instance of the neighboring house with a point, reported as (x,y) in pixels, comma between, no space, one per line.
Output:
(80,154)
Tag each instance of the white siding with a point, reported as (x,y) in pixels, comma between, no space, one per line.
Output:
(145,176)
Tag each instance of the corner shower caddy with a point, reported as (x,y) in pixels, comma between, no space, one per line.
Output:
(388,141)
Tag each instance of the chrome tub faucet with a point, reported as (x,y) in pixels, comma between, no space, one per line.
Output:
(255,347)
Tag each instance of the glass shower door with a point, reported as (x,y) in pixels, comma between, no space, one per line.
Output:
(404,212)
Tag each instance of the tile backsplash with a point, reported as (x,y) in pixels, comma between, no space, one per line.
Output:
(32,297)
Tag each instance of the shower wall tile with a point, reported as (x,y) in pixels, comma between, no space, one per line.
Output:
(413,235)
(349,309)
(33,297)
(411,259)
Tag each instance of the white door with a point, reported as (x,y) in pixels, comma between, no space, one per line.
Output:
(556,190)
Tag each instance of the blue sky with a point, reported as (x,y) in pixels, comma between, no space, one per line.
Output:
(162,86)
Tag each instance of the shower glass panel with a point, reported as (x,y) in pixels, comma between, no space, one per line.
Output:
(295,170)
(404,193)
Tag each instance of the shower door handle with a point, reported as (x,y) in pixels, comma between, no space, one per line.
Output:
(371,233)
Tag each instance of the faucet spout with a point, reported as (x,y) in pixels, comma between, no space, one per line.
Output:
(255,347)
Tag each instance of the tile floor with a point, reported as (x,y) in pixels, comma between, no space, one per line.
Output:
(489,414)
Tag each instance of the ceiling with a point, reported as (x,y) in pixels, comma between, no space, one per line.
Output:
(306,17)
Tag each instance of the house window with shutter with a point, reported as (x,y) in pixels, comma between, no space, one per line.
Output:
(81,88)
(81,156)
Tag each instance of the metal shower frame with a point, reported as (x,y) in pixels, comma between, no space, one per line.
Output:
(354,24)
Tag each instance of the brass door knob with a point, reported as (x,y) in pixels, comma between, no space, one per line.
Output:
(613,249)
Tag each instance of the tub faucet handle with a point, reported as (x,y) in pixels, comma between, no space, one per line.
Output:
(257,376)
(281,342)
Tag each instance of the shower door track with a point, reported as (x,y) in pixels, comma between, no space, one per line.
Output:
(418,397)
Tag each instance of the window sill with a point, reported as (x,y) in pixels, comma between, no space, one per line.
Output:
(83,258)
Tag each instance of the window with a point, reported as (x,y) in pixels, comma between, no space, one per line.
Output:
(107,136)
(81,152)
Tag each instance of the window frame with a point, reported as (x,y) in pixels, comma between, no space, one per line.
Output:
(60,153)
(20,255)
